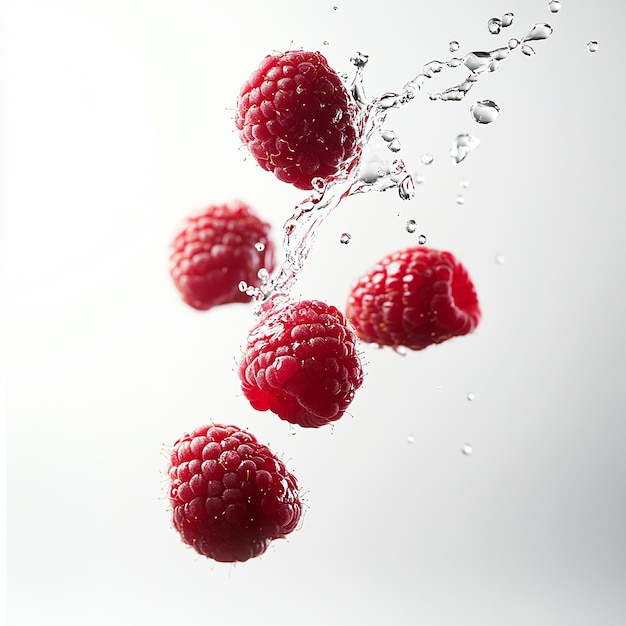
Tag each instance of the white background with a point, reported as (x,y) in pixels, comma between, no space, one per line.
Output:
(118,121)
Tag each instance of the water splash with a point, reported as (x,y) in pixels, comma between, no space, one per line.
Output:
(366,171)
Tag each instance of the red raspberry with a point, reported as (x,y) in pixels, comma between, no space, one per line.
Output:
(301,363)
(230,495)
(297,118)
(414,298)
(215,250)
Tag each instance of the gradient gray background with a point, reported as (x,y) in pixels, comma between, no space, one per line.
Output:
(118,122)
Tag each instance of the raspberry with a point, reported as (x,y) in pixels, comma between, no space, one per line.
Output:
(414,298)
(301,363)
(215,250)
(230,495)
(297,118)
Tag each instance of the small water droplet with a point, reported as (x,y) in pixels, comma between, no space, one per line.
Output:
(345,238)
(471,397)
(427,159)
(485,111)
(500,259)
(467,449)
(460,199)
(507,19)
(438,387)
(528,50)
(513,43)
(592,46)
(554,6)
(465,184)
(242,286)
(421,240)
(494,25)
(538,32)
(387,135)
(259,246)
(419,179)
(411,226)
(325,42)
(394,145)
(263,274)
(406,188)
(454,46)
(401,350)
(410,439)
(335,8)
(463,144)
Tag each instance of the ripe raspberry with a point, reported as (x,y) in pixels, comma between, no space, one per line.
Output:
(301,363)
(230,495)
(215,250)
(297,118)
(414,298)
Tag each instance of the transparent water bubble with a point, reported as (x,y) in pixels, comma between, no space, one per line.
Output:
(259,246)
(345,238)
(538,32)
(592,46)
(471,396)
(411,226)
(485,111)
(494,25)
(467,449)
(499,258)
(460,199)
(410,439)
(463,144)
(507,19)
(554,6)
(528,50)
(454,46)
(427,159)
(421,240)
(513,43)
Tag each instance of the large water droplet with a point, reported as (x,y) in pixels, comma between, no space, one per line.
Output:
(507,19)
(411,226)
(421,240)
(592,46)
(454,46)
(477,61)
(485,111)
(467,449)
(554,6)
(427,159)
(463,145)
(538,32)
(345,238)
(494,25)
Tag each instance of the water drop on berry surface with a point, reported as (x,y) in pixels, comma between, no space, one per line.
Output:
(427,159)
(345,238)
(421,240)
(554,6)
(263,274)
(494,25)
(242,286)
(467,449)
(401,350)
(454,46)
(592,46)
(411,226)
(259,246)
(485,111)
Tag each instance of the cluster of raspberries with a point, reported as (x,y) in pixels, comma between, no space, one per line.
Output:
(230,495)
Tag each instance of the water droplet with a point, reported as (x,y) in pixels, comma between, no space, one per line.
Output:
(427,159)
(477,61)
(345,238)
(494,25)
(513,43)
(410,439)
(465,184)
(360,59)
(454,46)
(467,449)
(335,8)
(485,111)
(471,396)
(419,179)
(554,6)
(500,259)
(592,46)
(463,145)
(401,350)
(406,188)
(421,240)
(460,199)
(528,50)
(387,135)
(259,246)
(325,42)
(538,32)
(394,145)
(507,19)
(242,286)
(411,226)
(438,387)
(263,274)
